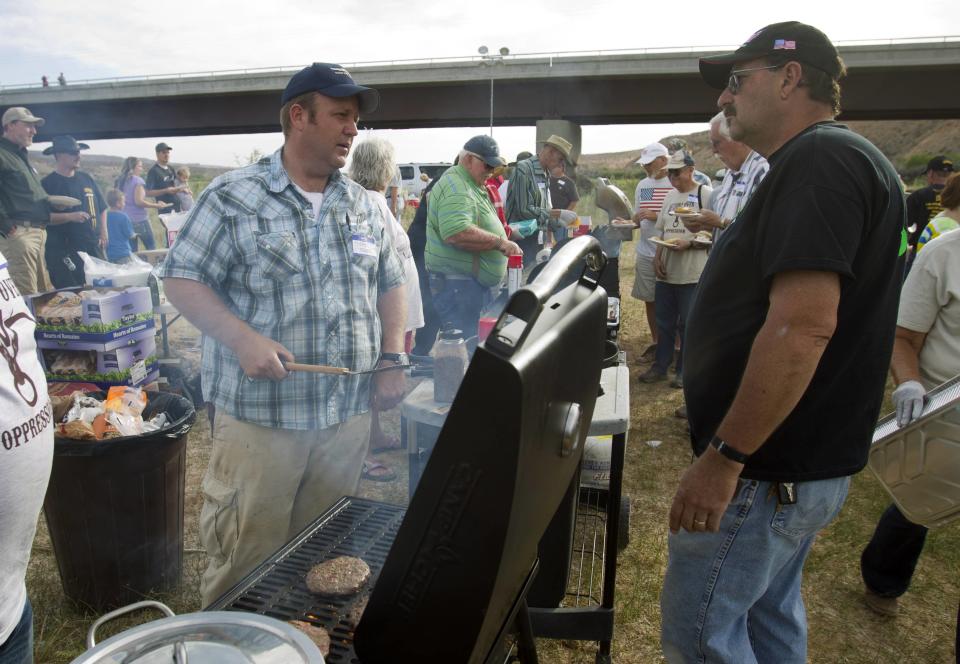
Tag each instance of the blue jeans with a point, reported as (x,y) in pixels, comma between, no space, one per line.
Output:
(672,303)
(888,562)
(145,233)
(458,302)
(18,648)
(734,596)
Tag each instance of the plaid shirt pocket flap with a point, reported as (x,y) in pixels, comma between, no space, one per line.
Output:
(279,254)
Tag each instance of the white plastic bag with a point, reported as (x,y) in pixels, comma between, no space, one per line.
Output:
(104,273)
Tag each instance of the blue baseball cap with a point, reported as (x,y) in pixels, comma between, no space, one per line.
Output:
(487,149)
(330,80)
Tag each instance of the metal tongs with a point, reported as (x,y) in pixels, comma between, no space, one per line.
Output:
(336,371)
(343,371)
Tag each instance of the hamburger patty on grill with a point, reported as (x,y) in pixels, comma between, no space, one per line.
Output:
(356,611)
(317,634)
(339,576)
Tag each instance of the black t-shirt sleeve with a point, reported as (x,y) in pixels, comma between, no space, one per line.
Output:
(572,192)
(154,179)
(811,228)
(99,200)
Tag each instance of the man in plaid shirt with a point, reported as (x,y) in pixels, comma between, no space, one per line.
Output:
(287,260)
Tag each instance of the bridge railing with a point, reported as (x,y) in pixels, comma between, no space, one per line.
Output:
(480,59)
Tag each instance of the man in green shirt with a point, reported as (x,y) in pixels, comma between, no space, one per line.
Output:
(466,247)
(24,209)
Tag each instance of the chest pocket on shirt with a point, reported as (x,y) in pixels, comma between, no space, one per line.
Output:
(279,254)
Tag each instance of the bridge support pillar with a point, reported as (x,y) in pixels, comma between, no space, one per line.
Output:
(566,129)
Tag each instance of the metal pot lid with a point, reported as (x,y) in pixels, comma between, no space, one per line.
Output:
(221,637)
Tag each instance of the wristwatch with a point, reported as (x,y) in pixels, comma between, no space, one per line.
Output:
(726,450)
(397,358)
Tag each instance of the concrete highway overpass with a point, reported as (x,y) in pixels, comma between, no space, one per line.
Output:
(890,80)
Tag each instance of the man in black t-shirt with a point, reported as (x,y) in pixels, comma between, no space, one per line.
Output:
(161,179)
(924,204)
(788,341)
(79,228)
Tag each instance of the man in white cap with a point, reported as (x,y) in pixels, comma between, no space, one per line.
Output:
(24,207)
(648,199)
(529,194)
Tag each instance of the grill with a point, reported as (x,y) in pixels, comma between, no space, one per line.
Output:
(352,527)
(451,574)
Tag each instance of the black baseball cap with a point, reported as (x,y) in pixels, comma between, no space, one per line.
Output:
(940,163)
(330,80)
(161,147)
(487,149)
(795,40)
(65,144)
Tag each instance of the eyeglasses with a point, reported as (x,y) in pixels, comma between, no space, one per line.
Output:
(487,168)
(736,77)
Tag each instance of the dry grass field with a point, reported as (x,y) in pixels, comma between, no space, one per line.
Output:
(842,629)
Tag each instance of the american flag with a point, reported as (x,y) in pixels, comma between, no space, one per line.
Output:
(651,198)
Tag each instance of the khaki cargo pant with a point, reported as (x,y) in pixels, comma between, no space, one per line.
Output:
(263,486)
(23,250)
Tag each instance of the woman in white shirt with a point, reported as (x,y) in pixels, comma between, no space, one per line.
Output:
(373,166)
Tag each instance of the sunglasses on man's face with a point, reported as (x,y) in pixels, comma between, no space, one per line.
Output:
(737,76)
(487,168)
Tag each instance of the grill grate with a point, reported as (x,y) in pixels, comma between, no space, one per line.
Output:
(277,588)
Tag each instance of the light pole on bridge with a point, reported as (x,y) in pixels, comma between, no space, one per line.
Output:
(491,60)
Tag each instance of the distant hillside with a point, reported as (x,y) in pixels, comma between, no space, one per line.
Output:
(104,169)
(907,143)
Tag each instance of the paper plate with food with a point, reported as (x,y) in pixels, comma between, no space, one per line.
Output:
(63,201)
(671,244)
(703,238)
(683,211)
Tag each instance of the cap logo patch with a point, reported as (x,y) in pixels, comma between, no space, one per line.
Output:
(340,70)
(784,44)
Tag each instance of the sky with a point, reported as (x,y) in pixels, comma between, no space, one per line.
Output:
(106,39)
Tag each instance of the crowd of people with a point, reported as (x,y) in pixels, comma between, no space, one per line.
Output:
(775,294)
(45,222)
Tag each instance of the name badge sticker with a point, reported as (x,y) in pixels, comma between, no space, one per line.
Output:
(364,245)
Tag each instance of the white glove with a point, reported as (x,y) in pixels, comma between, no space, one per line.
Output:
(908,402)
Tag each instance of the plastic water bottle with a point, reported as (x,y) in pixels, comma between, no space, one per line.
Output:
(449,364)
(514,273)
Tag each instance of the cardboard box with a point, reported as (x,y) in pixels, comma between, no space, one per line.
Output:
(172,223)
(59,389)
(104,317)
(132,362)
